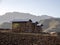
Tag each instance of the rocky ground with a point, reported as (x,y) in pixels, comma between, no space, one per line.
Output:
(28,39)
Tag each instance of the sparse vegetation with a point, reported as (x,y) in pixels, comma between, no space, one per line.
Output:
(27,39)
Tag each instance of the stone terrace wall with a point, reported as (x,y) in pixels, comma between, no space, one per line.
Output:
(27,39)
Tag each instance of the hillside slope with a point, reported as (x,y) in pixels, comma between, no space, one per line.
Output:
(9,16)
(51,25)
(6,19)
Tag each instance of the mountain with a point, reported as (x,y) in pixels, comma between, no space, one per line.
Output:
(6,25)
(17,15)
(51,25)
(5,20)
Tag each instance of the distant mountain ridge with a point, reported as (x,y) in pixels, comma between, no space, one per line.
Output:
(50,24)
(5,20)
(17,15)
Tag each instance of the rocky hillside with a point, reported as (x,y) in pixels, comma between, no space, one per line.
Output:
(51,25)
(28,39)
(6,25)
(9,16)
(6,19)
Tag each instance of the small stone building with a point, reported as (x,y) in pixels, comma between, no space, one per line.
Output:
(26,26)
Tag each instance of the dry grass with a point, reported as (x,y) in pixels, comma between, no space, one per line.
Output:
(27,39)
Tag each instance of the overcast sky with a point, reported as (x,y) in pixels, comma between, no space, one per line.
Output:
(36,7)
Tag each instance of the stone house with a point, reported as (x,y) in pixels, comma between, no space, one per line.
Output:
(26,26)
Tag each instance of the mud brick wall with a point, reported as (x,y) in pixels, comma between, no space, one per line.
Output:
(25,39)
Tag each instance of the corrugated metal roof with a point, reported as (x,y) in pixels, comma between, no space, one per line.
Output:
(22,20)
(15,20)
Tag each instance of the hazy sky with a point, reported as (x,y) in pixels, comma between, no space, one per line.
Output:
(36,7)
